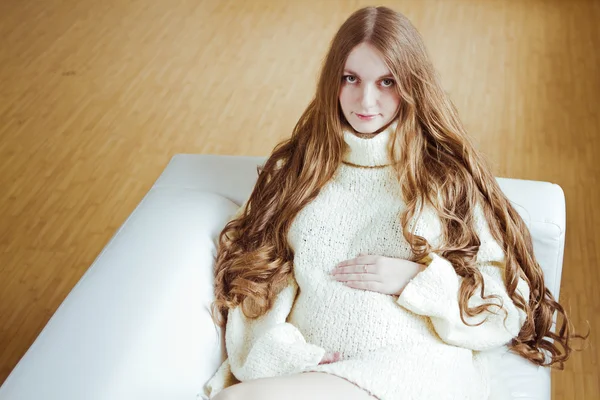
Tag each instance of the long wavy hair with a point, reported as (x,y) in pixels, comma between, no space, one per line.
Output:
(437,164)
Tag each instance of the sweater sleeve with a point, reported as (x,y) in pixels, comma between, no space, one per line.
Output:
(264,347)
(269,346)
(434,293)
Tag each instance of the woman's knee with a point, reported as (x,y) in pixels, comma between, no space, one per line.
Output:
(314,386)
(256,389)
(234,392)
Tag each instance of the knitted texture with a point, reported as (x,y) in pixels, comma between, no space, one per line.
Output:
(412,346)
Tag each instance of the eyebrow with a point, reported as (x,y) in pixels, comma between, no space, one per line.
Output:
(354,73)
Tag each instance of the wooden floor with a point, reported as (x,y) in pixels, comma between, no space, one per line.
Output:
(97,96)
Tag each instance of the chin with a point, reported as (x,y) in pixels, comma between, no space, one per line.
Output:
(366,127)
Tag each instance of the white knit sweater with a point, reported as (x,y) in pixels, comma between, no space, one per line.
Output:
(412,346)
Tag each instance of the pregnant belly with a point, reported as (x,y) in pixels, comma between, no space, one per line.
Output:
(353,321)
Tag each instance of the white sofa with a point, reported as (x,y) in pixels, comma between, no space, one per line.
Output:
(136,326)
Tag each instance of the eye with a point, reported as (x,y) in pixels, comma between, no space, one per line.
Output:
(347,77)
(390,82)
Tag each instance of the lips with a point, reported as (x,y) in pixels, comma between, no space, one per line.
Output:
(364,117)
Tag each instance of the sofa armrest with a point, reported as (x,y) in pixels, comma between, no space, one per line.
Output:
(137,324)
(515,378)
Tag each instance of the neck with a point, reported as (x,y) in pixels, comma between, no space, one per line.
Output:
(369,150)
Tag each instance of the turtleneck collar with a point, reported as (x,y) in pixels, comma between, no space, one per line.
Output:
(368,152)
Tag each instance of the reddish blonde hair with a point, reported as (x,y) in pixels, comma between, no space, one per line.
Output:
(254,259)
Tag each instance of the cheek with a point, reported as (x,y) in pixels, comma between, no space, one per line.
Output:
(345,99)
(392,101)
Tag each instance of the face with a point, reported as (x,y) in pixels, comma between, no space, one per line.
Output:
(368,89)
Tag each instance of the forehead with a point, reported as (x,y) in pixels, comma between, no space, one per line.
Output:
(366,61)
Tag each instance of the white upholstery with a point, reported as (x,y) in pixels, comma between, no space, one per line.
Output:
(136,326)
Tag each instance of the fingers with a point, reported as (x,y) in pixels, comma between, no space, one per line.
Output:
(331,358)
(361,259)
(355,269)
(328,359)
(361,277)
(368,285)
(357,273)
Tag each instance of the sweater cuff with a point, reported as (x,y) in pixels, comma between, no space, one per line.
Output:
(432,291)
(221,379)
(282,350)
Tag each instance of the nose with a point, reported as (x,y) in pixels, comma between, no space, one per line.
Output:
(369,97)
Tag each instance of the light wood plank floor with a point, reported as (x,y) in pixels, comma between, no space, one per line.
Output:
(97,96)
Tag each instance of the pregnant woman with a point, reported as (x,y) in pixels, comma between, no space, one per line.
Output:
(376,256)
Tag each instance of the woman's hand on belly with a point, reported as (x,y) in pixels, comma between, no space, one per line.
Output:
(377,273)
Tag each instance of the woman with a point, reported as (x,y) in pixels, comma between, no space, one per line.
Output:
(377,256)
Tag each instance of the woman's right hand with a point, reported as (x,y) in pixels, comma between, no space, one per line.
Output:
(329,358)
